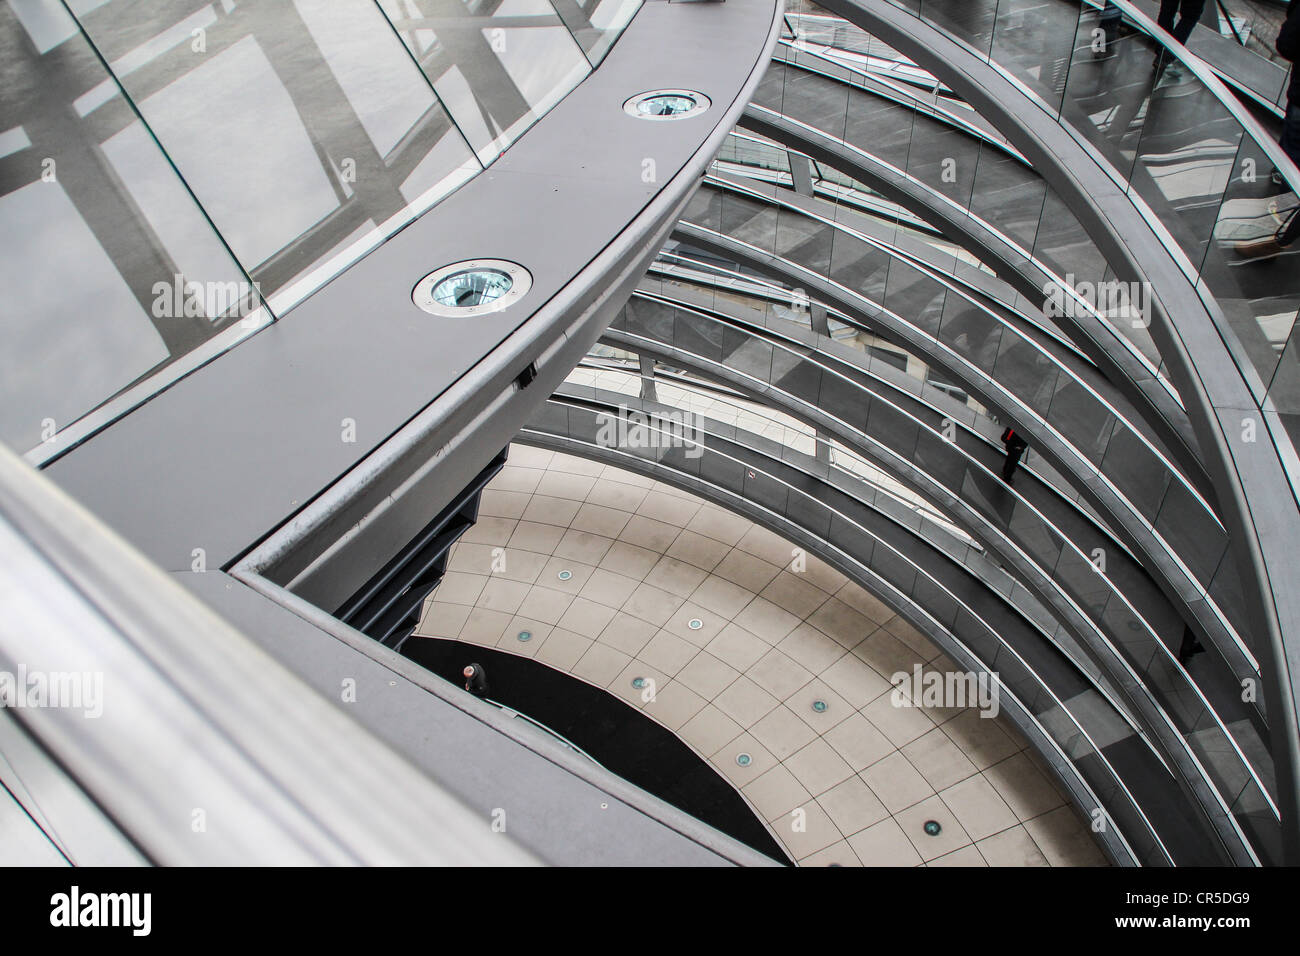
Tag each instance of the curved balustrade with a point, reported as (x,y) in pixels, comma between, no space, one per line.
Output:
(764,301)
(1256,71)
(785,491)
(1168,173)
(1109,456)
(1016,221)
(1178,142)
(969,169)
(847,201)
(776,361)
(1050,544)
(177,176)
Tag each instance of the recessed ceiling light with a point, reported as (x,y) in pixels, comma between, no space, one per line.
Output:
(471,288)
(667,104)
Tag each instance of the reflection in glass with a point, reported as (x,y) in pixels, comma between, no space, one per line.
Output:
(110,269)
(231,159)
(475,287)
(496,66)
(303,128)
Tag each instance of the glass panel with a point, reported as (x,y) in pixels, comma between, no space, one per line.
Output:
(972,23)
(1105,96)
(301,127)
(110,269)
(1008,196)
(596,24)
(1186,154)
(496,66)
(1258,296)
(1033,41)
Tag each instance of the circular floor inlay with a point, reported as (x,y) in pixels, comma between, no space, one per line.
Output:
(695,624)
(820,706)
(932,827)
(525,635)
(638,682)
(744,759)
(565,575)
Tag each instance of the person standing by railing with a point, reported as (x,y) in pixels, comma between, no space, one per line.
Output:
(475,680)
(1288,45)
(1187,13)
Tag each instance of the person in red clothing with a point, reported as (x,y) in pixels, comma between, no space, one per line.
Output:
(1015,446)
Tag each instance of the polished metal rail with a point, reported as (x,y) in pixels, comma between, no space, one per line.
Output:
(1224,385)
(900,601)
(207,750)
(1125,605)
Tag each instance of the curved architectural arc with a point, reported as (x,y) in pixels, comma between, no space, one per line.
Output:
(1251,477)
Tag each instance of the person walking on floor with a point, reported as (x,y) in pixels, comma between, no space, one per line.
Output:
(1015,446)
(1187,12)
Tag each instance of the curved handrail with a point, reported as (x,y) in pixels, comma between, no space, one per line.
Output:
(1252,475)
(1172,662)
(533,722)
(947,281)
(899,600)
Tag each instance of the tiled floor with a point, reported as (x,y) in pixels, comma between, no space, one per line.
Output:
(739,644)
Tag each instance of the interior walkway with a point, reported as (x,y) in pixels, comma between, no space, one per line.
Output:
(644,562)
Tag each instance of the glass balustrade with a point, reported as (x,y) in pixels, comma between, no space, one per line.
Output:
(1144,634)
(755,482)
(177,176)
